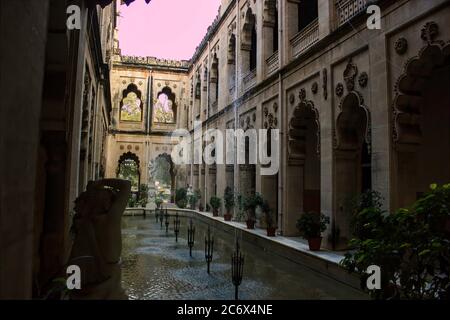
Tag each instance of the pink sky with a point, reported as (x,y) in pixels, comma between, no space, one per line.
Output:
(169,29)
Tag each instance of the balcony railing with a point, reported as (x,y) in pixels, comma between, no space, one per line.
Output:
(249,80)
(347,9)
(305,38)
(272,63)
(213,108)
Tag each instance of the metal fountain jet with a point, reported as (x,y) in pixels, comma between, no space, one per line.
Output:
(191,237)
(176,226)
(237,269)
(161,217)
(209,248)
(166,216)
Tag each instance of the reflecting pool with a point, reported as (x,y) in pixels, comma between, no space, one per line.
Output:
(156,267)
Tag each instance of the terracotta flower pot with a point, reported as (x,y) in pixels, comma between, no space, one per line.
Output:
(314,243)
(250,224)
(215,212)
(227,216)
(271,231)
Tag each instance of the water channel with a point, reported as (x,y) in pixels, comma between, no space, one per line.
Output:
(157,267)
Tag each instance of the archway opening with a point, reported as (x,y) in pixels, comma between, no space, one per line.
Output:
(129,169)
(353,165)
(423,142)
(162,176)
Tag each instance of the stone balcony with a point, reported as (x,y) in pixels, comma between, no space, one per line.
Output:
(273,63)
(249,80)
(305,38)
(347,9)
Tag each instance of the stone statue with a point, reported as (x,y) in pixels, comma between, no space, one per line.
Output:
(97,243)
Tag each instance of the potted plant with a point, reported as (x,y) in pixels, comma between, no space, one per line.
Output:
(270,223)
(251,202)
(228,198)
(216,203)
(143,195)
(193,200)
(311,225)
(181,197)
(158,202)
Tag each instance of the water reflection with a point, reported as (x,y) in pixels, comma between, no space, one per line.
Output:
(156,267)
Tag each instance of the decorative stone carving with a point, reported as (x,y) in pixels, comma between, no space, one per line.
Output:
(302,94)
(340,90)
(401,46)
(270,116)
(155,61)
(248,119)
(429,31)
(98,243)
(314,88)
(363,79)
(350,73)
(291,98)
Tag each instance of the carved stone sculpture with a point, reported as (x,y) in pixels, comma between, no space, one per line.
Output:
(97,243)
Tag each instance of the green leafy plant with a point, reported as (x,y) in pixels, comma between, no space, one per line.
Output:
(312,224)
(228,198)
(132,201)
(268,216)
(215,202)
(159,200)
(194,198)
(143,195)
(411,246)
(250,203)
(181,197)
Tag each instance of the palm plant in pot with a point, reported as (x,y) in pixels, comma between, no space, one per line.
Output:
(268,217)
(228,198)
(158,201)
(251,202)
(311,225)
(215,203)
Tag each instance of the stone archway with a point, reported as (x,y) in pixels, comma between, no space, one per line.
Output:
(421,117)
(303,171)
(352,164)
(162,173)
(128,168)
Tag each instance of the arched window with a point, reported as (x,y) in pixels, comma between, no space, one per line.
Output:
(249,42)
(165,107)
(253,49)
(131,104)
(129,169)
